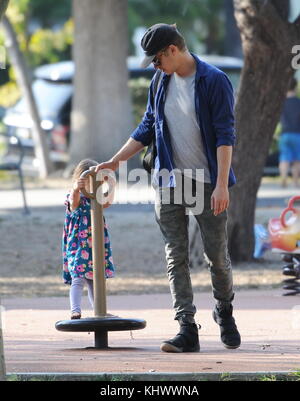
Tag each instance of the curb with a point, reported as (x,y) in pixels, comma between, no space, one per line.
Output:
(154,376)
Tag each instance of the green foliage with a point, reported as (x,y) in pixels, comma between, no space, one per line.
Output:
(18,15)
(47,46)
(271,378)
(275,139)
(295,375)
(200,21)
(9,94)
(139,93)
(49,12)
(225,377)
(41,46)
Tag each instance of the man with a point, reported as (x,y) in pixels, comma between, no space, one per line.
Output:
(289,142)
(191,117)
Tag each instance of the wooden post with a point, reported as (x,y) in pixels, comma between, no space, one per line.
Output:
(98,250)
(2,359)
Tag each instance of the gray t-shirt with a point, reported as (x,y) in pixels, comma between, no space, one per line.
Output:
(186,139)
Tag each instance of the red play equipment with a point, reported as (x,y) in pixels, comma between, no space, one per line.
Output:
(285,231)
(285,238)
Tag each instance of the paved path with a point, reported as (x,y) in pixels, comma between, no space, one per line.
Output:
(269,325)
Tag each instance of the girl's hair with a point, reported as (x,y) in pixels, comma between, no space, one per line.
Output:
(83,166)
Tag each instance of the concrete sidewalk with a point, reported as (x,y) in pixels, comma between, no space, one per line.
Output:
(269,324)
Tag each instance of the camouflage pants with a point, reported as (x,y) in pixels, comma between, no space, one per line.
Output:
(173,223)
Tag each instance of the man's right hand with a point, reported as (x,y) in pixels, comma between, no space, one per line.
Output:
(110,165)
(130,148)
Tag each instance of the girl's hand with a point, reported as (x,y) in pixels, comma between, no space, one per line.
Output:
(80,184)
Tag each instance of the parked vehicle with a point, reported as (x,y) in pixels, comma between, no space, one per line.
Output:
(53,89)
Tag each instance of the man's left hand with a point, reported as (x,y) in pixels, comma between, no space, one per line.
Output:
(219,199)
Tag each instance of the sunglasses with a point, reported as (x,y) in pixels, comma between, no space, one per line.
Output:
(157,61)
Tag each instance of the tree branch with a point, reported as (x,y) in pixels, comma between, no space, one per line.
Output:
(260,20)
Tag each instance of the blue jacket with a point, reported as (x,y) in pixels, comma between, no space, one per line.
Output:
(214,104)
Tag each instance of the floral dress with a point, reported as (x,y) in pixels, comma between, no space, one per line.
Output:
(77,243)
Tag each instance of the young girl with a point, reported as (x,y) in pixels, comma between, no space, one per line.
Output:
(77,241)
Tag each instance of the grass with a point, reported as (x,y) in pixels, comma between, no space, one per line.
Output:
(271,378)
(111,377)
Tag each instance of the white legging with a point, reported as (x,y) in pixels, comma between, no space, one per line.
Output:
(76,293)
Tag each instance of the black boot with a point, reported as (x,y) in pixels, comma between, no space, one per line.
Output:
(187,340)
(230,336)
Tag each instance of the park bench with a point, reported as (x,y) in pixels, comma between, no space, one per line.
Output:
(8,164)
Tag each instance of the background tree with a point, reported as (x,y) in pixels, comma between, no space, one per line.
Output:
(45,35)
(23,78)
(267,40)
(101,115)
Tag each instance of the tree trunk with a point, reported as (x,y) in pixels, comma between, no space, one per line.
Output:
(22,74)
(101,116)
(267,40)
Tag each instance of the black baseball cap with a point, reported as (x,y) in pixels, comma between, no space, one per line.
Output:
(156,38)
